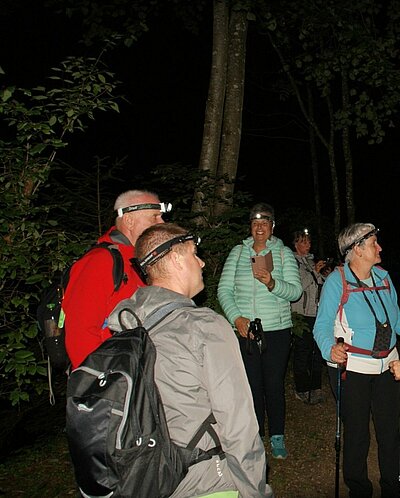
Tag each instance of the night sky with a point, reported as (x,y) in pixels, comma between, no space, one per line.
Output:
(165,79)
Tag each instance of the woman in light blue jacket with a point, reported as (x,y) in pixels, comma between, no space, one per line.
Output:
(359,304)
(246,294)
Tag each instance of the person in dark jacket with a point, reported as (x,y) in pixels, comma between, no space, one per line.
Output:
(90,295)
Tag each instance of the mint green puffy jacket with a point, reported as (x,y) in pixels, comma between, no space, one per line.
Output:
(240,294)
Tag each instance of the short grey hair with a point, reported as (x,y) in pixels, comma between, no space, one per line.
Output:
(349,236)
(130,198)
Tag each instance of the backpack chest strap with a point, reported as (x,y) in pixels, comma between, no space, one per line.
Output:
(368,352)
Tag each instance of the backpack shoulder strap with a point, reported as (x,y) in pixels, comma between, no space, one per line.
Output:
(345,291)
(160,313)
(118,263)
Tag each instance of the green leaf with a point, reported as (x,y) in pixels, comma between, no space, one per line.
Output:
(24,355)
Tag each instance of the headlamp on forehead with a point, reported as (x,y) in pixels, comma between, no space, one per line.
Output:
(306,232)
(163,207)
(262,216)
(360,240)
(159,252)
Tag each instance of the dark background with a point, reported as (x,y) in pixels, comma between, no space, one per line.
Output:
(165,79)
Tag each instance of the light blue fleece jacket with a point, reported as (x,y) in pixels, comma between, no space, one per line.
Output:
(240,294)
(357,324)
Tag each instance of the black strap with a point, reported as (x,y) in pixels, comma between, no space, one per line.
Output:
(205,427)
(162,312)
(364,287)
(156,317)
(118,263)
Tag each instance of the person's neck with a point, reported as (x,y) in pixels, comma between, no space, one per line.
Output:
(172,286)
(259,246)
(362,272)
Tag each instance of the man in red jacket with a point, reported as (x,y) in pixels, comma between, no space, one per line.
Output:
(90,295)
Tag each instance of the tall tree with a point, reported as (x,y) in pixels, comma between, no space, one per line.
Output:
(233,109)
(347,52)
(223,118)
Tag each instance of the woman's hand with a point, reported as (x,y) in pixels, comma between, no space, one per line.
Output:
(338,353)
(319,265)
(242,325)
(265,277)
(394,367)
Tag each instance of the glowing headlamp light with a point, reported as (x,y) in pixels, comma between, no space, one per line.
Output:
(159,252)
(262,216)
(164,207)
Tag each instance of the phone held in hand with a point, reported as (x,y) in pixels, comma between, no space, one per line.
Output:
(262,263)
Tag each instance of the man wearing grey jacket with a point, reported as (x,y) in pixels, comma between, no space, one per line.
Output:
(198,370)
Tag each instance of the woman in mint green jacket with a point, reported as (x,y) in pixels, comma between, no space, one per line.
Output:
(245,294)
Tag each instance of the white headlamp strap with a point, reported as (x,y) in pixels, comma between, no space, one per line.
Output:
(164,207)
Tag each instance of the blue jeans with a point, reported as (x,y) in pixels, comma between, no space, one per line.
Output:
(266,374)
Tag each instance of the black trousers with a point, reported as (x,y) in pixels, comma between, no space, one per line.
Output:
(307,360)
(361,395)
(266,374)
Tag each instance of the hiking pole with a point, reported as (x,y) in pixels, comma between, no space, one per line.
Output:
(311,372)
(338,422)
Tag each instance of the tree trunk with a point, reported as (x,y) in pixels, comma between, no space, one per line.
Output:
(232,123)
(348,157)
(314,167)
(332,165)
(210,148)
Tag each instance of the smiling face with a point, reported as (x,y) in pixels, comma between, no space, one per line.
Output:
(261,229)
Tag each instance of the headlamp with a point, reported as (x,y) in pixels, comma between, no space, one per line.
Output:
(360,240)
(262,216)
(164,207)
(159,252)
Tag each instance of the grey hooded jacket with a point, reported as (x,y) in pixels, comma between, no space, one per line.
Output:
(311,282)
(199,370)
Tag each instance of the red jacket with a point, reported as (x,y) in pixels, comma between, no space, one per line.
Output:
(90,296)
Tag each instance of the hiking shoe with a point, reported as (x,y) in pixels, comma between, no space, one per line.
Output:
(278,449)
(304,397)
(316,396)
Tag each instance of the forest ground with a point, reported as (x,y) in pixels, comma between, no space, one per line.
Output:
(41,468)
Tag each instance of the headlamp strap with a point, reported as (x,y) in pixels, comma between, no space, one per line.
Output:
(164,207)
(361,239)
(159,252)
(261,216)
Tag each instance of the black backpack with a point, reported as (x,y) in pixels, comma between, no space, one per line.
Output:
(50,316)
(117,432)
